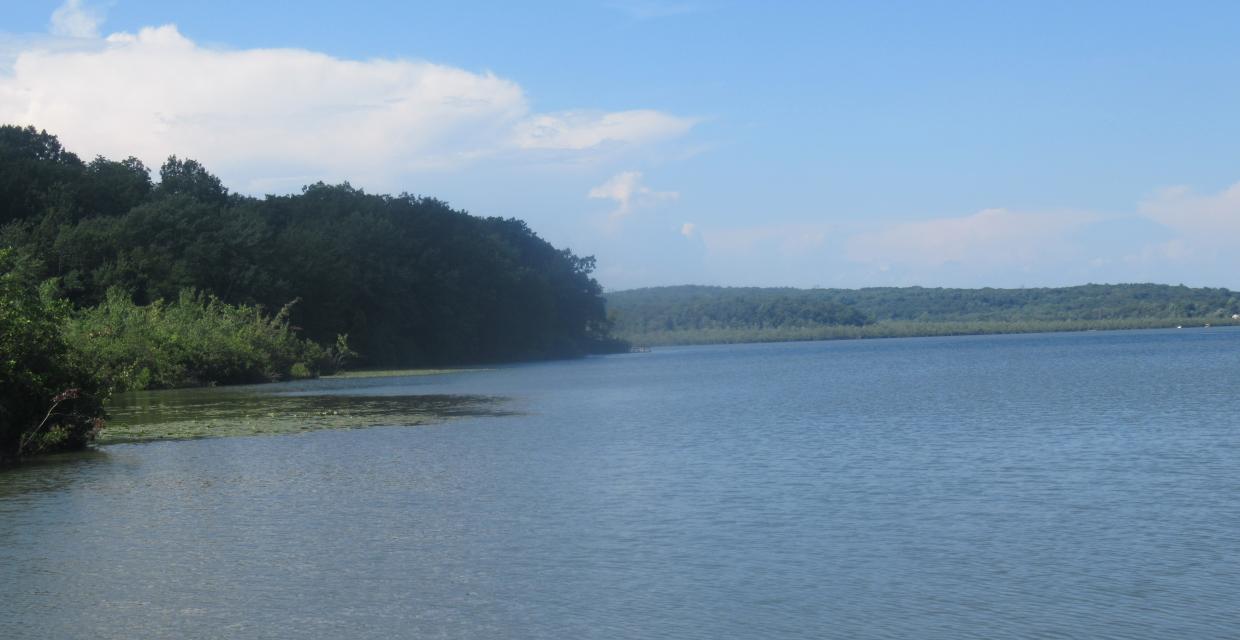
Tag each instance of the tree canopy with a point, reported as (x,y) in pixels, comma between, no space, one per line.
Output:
(408,278)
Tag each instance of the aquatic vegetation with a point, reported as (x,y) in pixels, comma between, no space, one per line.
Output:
(205,413)
(389,373)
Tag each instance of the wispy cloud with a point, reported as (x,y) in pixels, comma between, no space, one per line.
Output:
(1208,217)
(73,19)
(988,237)
(1204,229)
(577,130)
(627,191)
(254,115)
(783,239)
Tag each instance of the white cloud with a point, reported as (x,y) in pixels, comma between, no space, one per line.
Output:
(73,20)
(578,130)
(629,193)
(988,237)
(688,229)
(1208,218)
(1177,236)
(260,116)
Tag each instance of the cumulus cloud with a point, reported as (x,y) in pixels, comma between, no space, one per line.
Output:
(269,118)
(74,20)
(629,193)
(988,237)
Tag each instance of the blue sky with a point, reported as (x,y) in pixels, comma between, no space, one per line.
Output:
(804,144)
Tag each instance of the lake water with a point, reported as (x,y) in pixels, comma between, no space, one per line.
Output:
(1037,486)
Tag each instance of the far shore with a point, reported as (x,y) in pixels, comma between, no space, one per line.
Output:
(880,330)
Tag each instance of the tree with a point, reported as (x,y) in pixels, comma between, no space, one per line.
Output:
(33,168)
(112,188)
(190,178)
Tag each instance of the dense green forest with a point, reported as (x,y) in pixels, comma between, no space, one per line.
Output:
(700,315)
(173,280)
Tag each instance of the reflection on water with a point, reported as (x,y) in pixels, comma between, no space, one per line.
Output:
(286,408)
(48,473)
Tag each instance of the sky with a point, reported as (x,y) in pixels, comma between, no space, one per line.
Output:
(807,144)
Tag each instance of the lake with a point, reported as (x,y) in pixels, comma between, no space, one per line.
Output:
(1024,486)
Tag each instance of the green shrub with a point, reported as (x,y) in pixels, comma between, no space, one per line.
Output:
(195,340)
(46,402)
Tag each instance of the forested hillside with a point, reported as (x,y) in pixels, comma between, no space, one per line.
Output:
(696,314)
(409,279)
(114,279)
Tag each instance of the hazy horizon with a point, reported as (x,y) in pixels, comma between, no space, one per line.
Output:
(909,286)
(957,145)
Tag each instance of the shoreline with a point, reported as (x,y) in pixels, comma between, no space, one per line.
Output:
(885,330)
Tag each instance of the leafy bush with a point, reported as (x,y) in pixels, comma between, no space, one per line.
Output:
(195,340)
(46,403)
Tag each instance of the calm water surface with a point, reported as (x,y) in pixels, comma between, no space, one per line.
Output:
(1049,486)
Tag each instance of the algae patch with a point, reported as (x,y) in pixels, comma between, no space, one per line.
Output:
(220,412)
(392,373)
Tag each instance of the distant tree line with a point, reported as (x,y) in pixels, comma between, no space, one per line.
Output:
(728,310)
(700,314)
